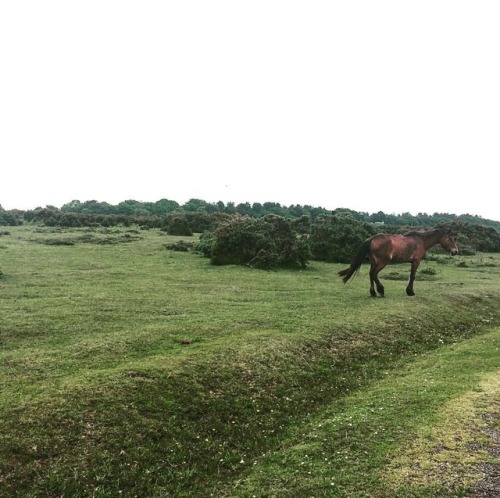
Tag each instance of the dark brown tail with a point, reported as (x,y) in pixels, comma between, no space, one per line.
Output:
(356,262)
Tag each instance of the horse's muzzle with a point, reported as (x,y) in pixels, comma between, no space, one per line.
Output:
(454,252)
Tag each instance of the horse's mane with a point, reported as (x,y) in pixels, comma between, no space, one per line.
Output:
(416,233)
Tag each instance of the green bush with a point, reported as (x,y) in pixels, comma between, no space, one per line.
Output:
(428,270)
(267,242)
(180,246)
(179,225)
(7,218)
(205,244)
(336,238)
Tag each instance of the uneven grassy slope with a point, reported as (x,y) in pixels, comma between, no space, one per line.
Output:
(130,370)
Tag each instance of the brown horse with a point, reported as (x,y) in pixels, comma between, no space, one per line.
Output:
(411,247)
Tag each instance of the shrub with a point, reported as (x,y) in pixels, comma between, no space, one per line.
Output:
(302,225)
(181,246)
(266,243)
(7,218)
(336,238)
(178,225)
(428,270)
(205,244)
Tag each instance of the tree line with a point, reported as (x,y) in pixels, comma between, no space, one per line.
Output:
(266,241)
(77,213)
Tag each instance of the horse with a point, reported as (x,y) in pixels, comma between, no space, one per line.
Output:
(411,247)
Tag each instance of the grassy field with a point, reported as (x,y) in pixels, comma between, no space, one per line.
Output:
(131,370)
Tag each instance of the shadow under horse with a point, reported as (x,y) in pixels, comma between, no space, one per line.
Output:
(411,247)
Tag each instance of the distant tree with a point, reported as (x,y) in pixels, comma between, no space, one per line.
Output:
(296,211)
(274,208)
(93,207)
(244,209)
(316,212)
(195,205)
(377,217)
(163,207)
(257,209)
(75,206)
(349,212)
(230,208)
(132,208)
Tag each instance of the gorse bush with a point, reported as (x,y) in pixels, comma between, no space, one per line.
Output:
(8,219)
(273,241)
(336,238)
(266,243)
(205,244)
(179,225)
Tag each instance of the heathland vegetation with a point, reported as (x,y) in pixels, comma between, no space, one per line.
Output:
(153,214)
(260,235)
(131,369)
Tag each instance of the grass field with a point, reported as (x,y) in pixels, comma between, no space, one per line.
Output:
(131,370)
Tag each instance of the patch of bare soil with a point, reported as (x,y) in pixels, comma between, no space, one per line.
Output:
(489,485)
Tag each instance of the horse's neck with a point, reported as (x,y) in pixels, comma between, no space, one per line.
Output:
(430,239)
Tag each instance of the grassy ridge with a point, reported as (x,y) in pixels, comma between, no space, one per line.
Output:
(128,369)
(416,432)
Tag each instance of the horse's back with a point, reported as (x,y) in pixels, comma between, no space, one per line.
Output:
(395,248)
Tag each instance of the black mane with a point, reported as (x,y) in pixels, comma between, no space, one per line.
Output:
(417,233)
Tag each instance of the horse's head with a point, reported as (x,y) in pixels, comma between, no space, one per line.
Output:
(448,243)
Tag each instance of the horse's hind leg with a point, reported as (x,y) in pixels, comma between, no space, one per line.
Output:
(372,288)
(374,280)
(380,287)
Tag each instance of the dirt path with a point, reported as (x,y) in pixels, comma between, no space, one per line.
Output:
(489,486)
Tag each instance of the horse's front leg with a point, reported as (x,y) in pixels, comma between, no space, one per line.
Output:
(413,272)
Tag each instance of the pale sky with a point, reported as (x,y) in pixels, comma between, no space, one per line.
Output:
(387,106)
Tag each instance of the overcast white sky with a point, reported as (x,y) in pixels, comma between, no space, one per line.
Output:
(368,105)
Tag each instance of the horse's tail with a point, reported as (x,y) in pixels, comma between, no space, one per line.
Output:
(356,262)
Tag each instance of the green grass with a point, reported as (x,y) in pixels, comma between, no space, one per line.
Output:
(408,434)
(131,370)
